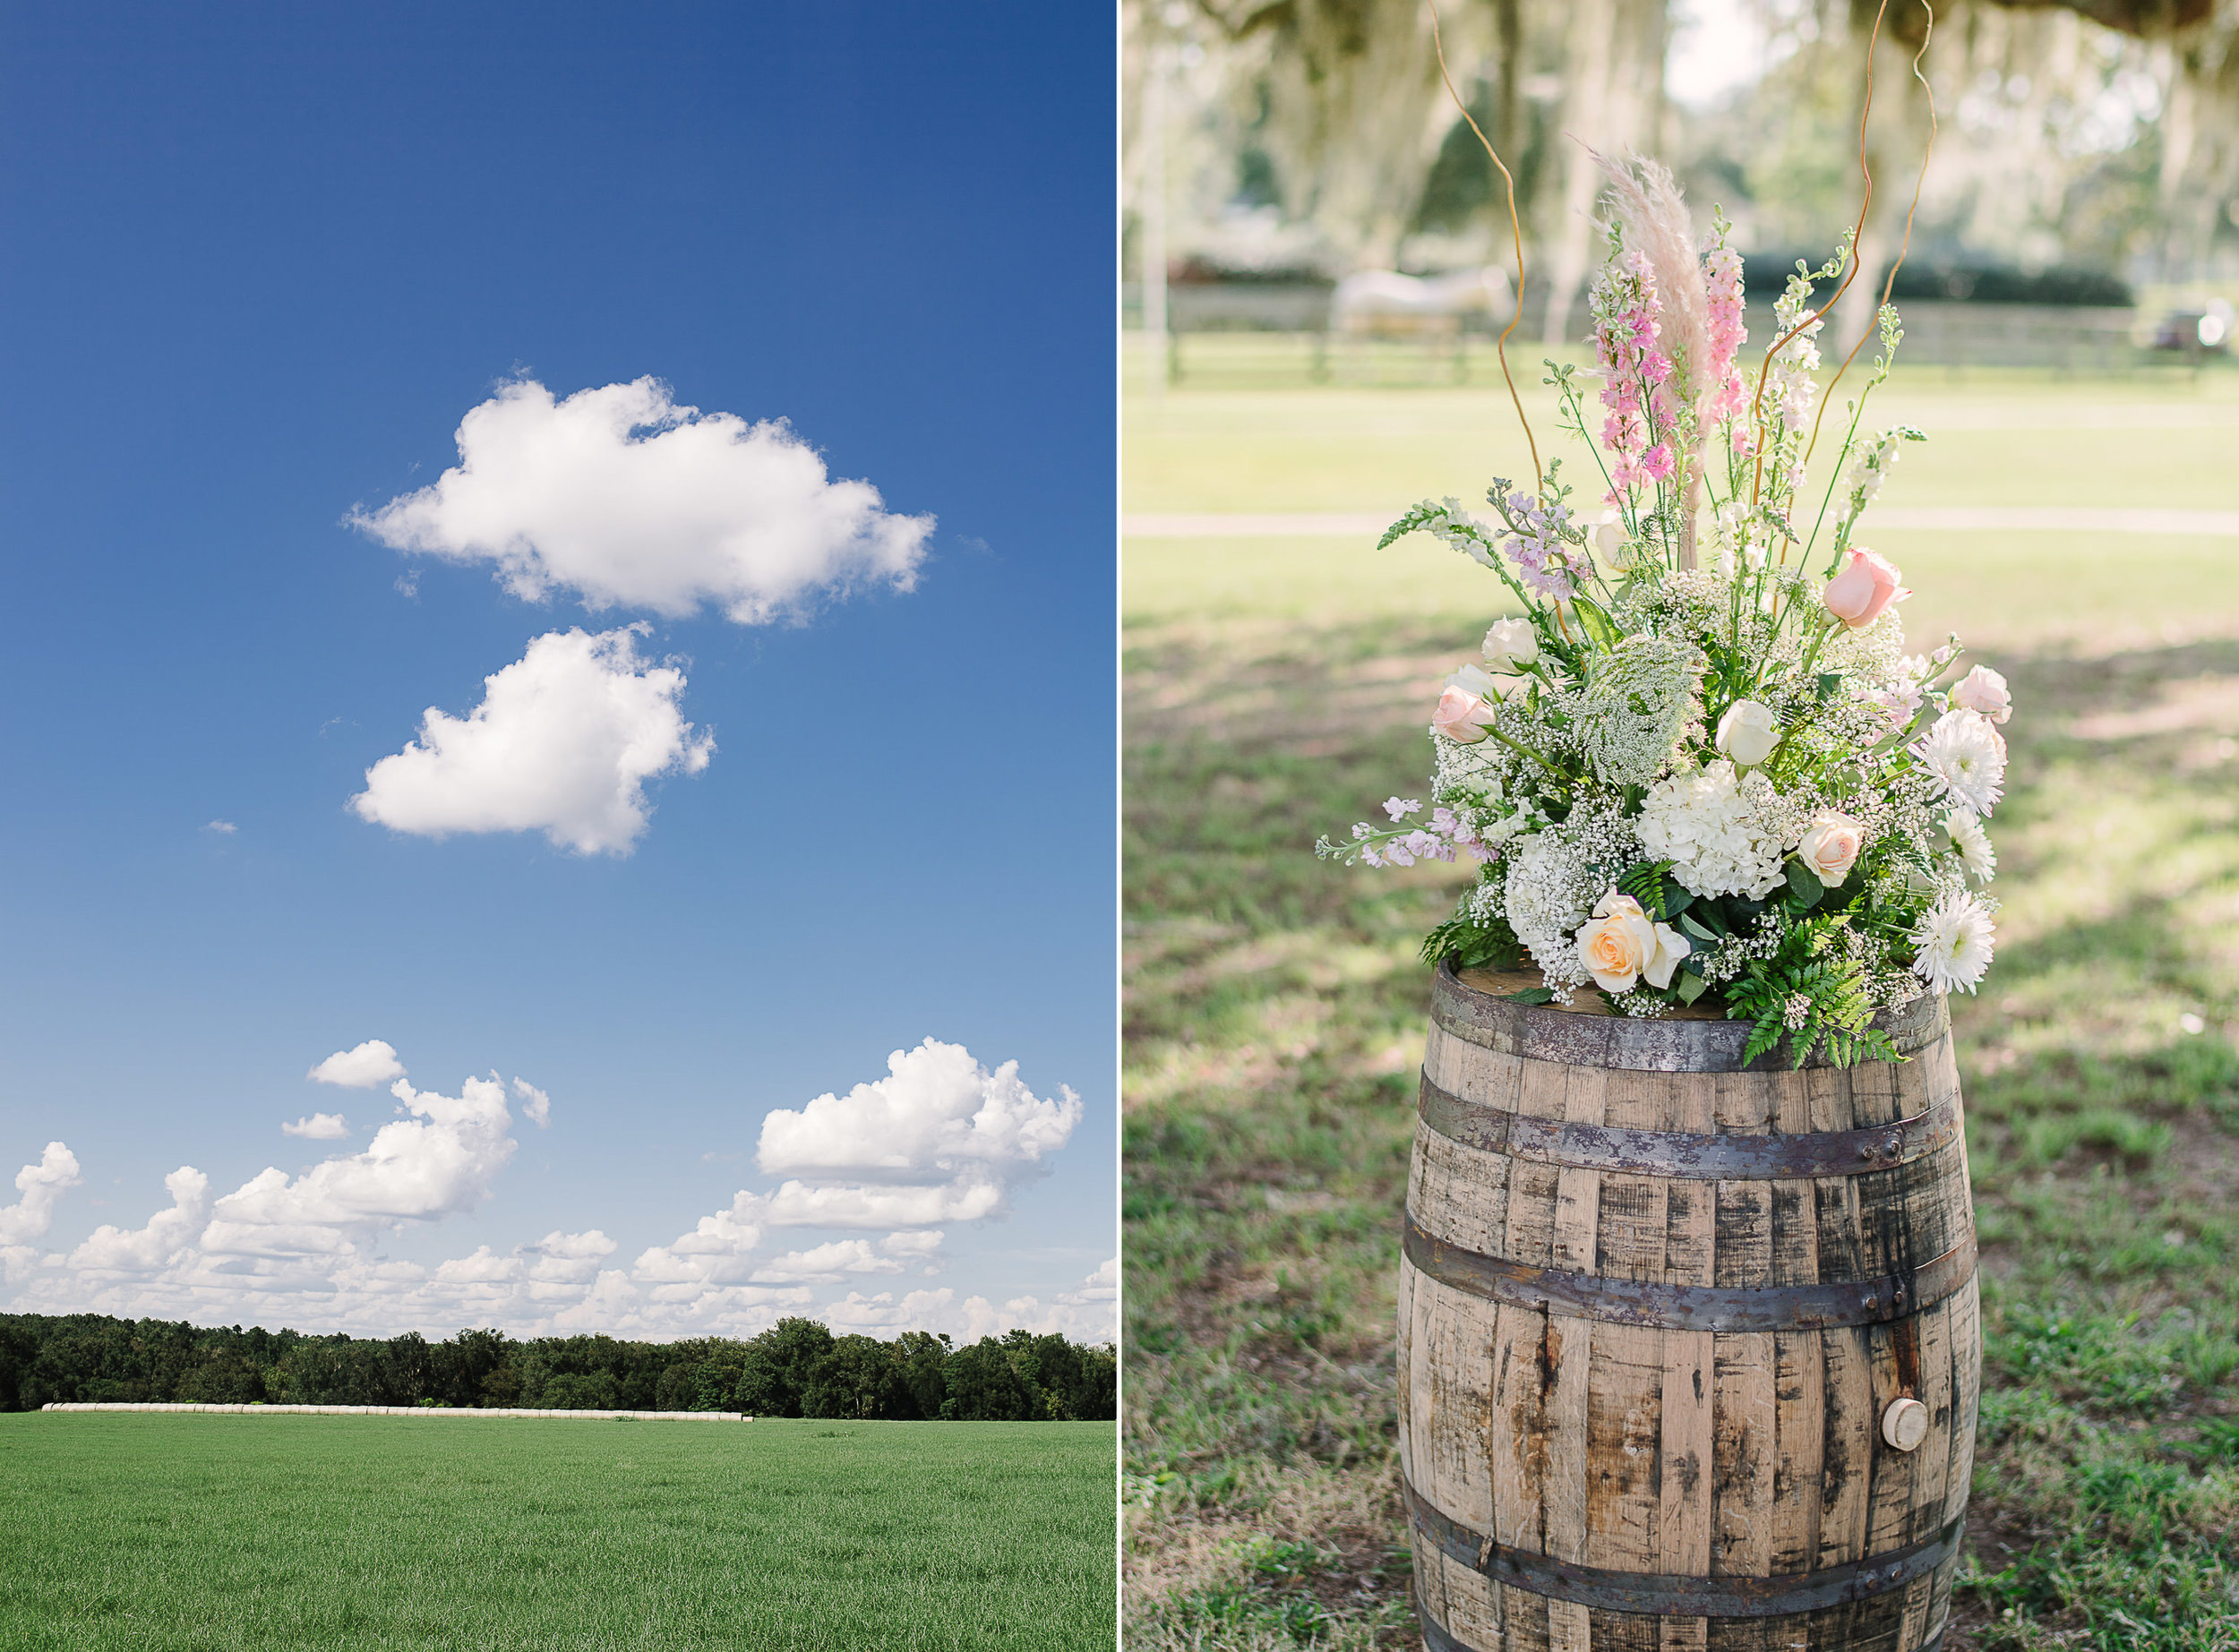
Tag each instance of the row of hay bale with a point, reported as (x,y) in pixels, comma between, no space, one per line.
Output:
(268,1410)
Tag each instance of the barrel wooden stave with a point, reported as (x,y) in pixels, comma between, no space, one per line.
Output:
(1645,1449)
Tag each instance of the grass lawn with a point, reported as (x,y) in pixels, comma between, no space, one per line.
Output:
(237,1532)
(1275,1007)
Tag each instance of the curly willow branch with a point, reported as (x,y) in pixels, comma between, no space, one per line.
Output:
(1764,373)
(1515,228)
(1889,286)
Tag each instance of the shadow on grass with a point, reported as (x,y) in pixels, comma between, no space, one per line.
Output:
(1275,1016)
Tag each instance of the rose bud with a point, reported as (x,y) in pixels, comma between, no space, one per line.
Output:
(1984,691)
(1511,645)
(1866,585)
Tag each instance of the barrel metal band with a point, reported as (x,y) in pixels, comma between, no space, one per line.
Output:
(1679,1593)
(1689,1307)
(1686,1157)
(1439,1638)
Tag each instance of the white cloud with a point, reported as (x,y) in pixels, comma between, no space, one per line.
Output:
(319,1127)
(443,1158)
(798,1204)
(109,1250)
(223,828)
(970,1318)
(825,1263)
(305,1250)
(535,1105)
(715,1253)
(563,743)
(371,1064)
(627,498)
(40,1185)
(938,1139)
(912,1244)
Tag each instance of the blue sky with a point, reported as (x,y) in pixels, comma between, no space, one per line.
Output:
(263,262)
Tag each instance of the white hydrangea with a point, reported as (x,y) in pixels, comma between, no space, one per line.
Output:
(1719,831)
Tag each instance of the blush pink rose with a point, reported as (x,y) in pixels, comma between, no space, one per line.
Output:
(1984,691)
(1460,716)
(1866,585)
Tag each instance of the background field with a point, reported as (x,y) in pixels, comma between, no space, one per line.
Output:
(231,1532)
(1277,689)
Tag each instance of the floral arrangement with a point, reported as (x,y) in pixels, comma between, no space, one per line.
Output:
(1700,768)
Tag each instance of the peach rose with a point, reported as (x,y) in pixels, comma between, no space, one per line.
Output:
(1866,584)
(1982,692)
(1462,716)
(1620,943)
(1830,847)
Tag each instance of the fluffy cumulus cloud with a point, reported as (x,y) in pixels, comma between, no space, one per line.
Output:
(368,1067)
(319,1127)
(38,1187)
(626,499)
(564,743)
(940,1138)
(110,1252)
(1088,1314)
(443,1158)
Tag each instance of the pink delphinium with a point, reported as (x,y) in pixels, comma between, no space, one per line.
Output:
(1722,292)
(1635,372)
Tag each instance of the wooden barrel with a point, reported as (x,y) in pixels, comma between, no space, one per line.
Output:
(1689,1351)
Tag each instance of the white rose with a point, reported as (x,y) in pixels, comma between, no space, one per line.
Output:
(1511,645)
(1484,685)
(1609,540)
(1619,944)
(1984,691)
(1747,733)
(1830,847)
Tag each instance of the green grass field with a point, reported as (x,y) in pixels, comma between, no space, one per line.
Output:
(232,1532)
(1274,1007)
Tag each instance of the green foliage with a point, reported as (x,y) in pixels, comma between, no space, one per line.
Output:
(379,1534)
(796,1368)
(1473,945)
(1813,997)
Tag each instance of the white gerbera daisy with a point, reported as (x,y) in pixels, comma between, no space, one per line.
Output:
(1965,829)
(1953,942)
(1968,758)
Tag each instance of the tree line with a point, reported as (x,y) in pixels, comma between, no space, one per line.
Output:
(796,1368)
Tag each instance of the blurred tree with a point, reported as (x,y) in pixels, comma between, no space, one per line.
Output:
(2091,133)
